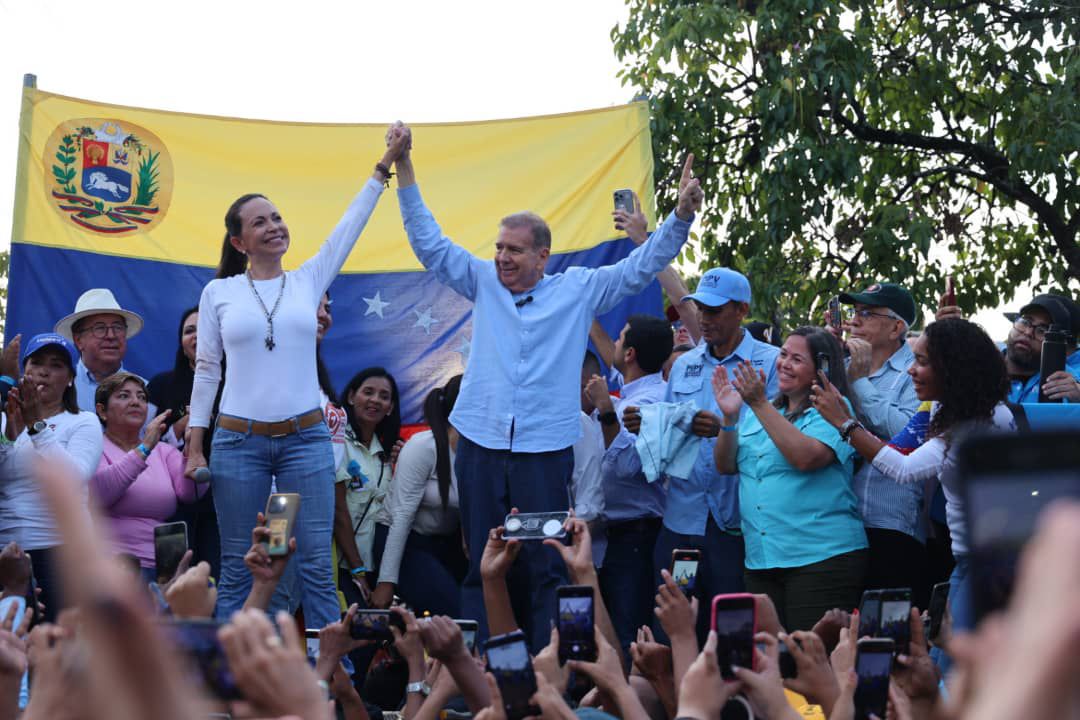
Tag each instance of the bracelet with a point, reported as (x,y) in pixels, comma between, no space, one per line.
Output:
(850,425)
(729,428)
(362,570)
(141,449)
(7,379)
(379,167)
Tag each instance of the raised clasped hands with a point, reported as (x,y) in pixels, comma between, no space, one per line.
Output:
(597,390)
(398,141)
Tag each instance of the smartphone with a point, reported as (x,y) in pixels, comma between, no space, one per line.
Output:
(935,612)
(684,567)
(198,641)
(281,510)
(576,623)
(1054,348)
(823,364)
(950,292)
(311,641)
(870,613)
(375,625)
(508,661)
(624,200)
(535,526)
(788,668)
(469,628)
(834,312)
(170,544)
(896,618)
(873,663)
(1007,480)
(734,618)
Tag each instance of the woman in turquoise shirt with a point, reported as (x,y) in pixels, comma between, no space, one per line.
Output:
(805,543)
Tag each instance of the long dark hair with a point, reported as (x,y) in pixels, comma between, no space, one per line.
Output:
(323,374)
(177,395)
(820,342)
(437,407)
(234,262)
(969,370)
(389,428)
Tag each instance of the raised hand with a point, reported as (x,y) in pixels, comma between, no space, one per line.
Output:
(633,224)
(9,358)
(749,383)
(652,659)
(263,566)
(727,397)
(690,193)
(154,430)
(499,555)
(828,401)
(597,390)
(578,555)
(192,595)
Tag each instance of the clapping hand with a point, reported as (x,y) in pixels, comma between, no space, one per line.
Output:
(728,398)
(749,383)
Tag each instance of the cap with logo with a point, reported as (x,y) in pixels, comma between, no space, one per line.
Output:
(887,295)
(720,286)
(44,340)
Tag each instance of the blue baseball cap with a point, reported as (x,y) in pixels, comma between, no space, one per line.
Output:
(720,286)
(44,340)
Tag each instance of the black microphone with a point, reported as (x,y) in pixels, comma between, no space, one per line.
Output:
(523,301)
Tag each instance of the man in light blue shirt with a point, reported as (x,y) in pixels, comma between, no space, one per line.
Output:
(519,409)
(702,510)
(633,507)
(1023,351)
(879,358)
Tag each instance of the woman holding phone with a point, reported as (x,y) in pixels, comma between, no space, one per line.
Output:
(805,544)
(958,368)
(270,425)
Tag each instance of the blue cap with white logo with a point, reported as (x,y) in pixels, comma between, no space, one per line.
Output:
(44,340)
(720,286)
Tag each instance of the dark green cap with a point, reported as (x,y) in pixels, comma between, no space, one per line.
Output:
(888,295)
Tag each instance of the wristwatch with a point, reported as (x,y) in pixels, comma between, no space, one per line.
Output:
(418,687)
(849,426)
(37,427)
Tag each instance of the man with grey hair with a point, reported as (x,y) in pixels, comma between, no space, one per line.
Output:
(519,409)
(879,358)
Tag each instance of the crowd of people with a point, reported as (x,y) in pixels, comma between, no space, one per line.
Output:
(801,472)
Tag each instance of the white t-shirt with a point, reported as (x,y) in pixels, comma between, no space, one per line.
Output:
(262,384)
(24,516)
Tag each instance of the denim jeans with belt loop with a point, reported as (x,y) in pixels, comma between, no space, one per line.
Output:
(243,464)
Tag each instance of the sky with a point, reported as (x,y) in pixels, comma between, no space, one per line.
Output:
(316,61)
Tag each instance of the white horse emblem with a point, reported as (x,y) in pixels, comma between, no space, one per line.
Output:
(100,181)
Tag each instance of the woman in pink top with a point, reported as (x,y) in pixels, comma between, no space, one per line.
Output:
(137,483)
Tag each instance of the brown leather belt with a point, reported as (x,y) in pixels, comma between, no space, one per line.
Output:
(273,429)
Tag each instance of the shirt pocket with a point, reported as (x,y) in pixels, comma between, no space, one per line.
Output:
(684,386)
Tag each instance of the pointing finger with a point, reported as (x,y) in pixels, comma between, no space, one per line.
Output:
(688,168)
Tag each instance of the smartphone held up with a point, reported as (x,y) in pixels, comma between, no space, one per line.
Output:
(281,511)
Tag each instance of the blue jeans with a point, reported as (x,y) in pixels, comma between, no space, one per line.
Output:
(242,466)
(723,561)
(432,568)
(490,482)
(963,617)
(626,579)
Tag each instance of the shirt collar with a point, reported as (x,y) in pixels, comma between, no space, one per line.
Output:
(642,384)
(900,360)
(82,370)
(743,351)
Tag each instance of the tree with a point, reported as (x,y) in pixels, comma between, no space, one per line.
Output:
(845,141)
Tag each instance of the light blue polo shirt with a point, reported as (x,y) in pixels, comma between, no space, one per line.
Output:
(792,518)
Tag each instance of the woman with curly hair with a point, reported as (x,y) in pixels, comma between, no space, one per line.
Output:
(958,368)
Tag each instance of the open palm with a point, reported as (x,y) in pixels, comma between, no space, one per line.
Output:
(727,397)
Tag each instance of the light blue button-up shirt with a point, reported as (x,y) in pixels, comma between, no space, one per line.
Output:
(887,400)
(1027,391)
(86,387)
(690,500)
(522,384)
(792,518)
(627,494)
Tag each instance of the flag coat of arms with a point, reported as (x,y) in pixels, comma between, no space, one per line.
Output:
(133,200)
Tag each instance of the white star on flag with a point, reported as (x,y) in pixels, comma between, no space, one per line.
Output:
(424,320)
(375,305)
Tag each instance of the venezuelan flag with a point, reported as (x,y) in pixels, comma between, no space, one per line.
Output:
(133,200)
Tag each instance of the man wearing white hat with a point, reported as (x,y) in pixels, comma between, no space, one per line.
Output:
(99,327)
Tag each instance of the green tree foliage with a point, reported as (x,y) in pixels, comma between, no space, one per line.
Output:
(839,141)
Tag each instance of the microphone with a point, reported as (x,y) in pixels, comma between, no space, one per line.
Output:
(202,475)
(524,301)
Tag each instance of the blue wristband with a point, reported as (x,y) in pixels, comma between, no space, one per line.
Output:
(358,571)
(729,428)
(142,451)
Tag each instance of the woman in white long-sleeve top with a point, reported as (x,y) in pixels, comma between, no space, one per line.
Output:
(418,529)
(270,423)
(45,421)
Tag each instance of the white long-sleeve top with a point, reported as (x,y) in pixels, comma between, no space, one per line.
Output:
(261,384)
(414,502)
(24,516)
(937,458)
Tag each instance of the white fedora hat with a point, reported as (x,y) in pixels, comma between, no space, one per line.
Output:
(99,301)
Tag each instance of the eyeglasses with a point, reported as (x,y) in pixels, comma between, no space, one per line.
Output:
(1025,324)
(101,330)
(863,314)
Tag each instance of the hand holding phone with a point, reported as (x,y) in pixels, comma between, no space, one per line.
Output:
(281,511)
(577,639)
(873,664)
(535,526)
(508,661)
(624,200)
(684,568)
(375,625)
(734,618)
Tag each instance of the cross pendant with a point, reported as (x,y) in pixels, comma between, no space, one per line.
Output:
(270,342)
